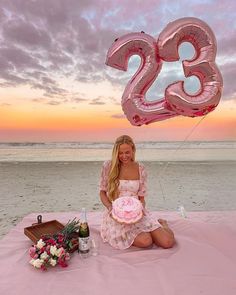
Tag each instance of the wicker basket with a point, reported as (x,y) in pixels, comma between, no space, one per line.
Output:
(35,231)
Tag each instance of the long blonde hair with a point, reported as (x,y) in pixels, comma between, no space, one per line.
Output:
(113,177)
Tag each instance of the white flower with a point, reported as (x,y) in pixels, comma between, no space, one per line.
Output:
(53,262)
(44,255)
(67,257)
(32,261)
(40,244)
(53,250)
(60,251)
(36,262)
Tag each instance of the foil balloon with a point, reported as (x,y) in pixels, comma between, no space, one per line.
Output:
(202,65)
(137,109)
(176,101)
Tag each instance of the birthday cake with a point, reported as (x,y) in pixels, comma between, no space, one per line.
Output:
(127,210)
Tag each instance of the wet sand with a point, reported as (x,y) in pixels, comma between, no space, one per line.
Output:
(28,187)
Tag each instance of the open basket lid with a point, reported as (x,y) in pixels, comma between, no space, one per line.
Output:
(37,230)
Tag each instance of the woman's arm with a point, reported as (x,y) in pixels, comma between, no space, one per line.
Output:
(106,202)
(143,185)
(142,200)
(104,185)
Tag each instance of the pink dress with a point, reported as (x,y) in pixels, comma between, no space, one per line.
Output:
(121,236)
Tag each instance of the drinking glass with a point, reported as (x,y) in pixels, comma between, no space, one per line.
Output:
(94,247)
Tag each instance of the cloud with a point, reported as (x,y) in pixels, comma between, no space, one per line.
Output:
(227,45)
(68,38)
(78,99)
(50,90)
(97,101)
(118,116)
(115,100)
(69,98)
(53,103)
(4,104)
(39,40)
(228,73)
(11,80)
(46,39)
(19,58)
(47,101)
(38,100)
(26,34)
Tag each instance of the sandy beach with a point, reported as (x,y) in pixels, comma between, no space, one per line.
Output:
(28,187)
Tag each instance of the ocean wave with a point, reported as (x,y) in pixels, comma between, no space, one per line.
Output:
(109,145)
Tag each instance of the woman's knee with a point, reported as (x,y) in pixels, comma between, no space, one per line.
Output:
(147,241)
(167,242)
(143,241)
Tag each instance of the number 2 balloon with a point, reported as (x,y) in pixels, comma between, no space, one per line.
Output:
(176,101)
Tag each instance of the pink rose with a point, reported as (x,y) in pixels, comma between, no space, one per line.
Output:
(51,242)
(32,251)
(42,250)
(43,267)
(62,262)
(60,238)
(48,249)
(67,256)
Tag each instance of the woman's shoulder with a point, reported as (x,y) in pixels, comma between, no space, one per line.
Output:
(142,169)
(140,165)
(106,165)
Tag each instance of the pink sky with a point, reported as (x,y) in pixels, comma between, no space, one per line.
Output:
(55,86)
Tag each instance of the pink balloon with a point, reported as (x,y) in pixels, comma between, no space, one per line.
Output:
(176,102)
(202,65)
(137,109)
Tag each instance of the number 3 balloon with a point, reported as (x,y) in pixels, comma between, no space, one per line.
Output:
(176,102)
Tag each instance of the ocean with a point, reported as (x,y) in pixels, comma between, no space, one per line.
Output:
(96,151)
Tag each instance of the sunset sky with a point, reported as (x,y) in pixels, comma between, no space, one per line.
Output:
(55,86)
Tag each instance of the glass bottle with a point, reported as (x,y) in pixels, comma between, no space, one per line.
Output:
(84,235)
(182,211)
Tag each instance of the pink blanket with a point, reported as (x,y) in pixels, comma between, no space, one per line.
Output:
(202,262)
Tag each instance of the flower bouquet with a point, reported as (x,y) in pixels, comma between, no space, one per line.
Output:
(51,250)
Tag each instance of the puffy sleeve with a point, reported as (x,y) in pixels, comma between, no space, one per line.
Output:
(103,185)
(143,181)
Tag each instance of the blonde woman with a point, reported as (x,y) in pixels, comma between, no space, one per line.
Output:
(123,176)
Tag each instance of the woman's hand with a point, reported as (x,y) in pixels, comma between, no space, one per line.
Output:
(109,208)
(106,202)
(143,203)
(110,212)
(142,200)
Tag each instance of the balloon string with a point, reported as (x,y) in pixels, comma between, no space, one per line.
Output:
(161,173)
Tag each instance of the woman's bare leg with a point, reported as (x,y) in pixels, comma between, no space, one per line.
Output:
(163,236)
(143,240)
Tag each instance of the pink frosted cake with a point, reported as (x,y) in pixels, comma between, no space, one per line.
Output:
(127,210)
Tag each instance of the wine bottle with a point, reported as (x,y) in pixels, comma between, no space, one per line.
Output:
(84,235)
